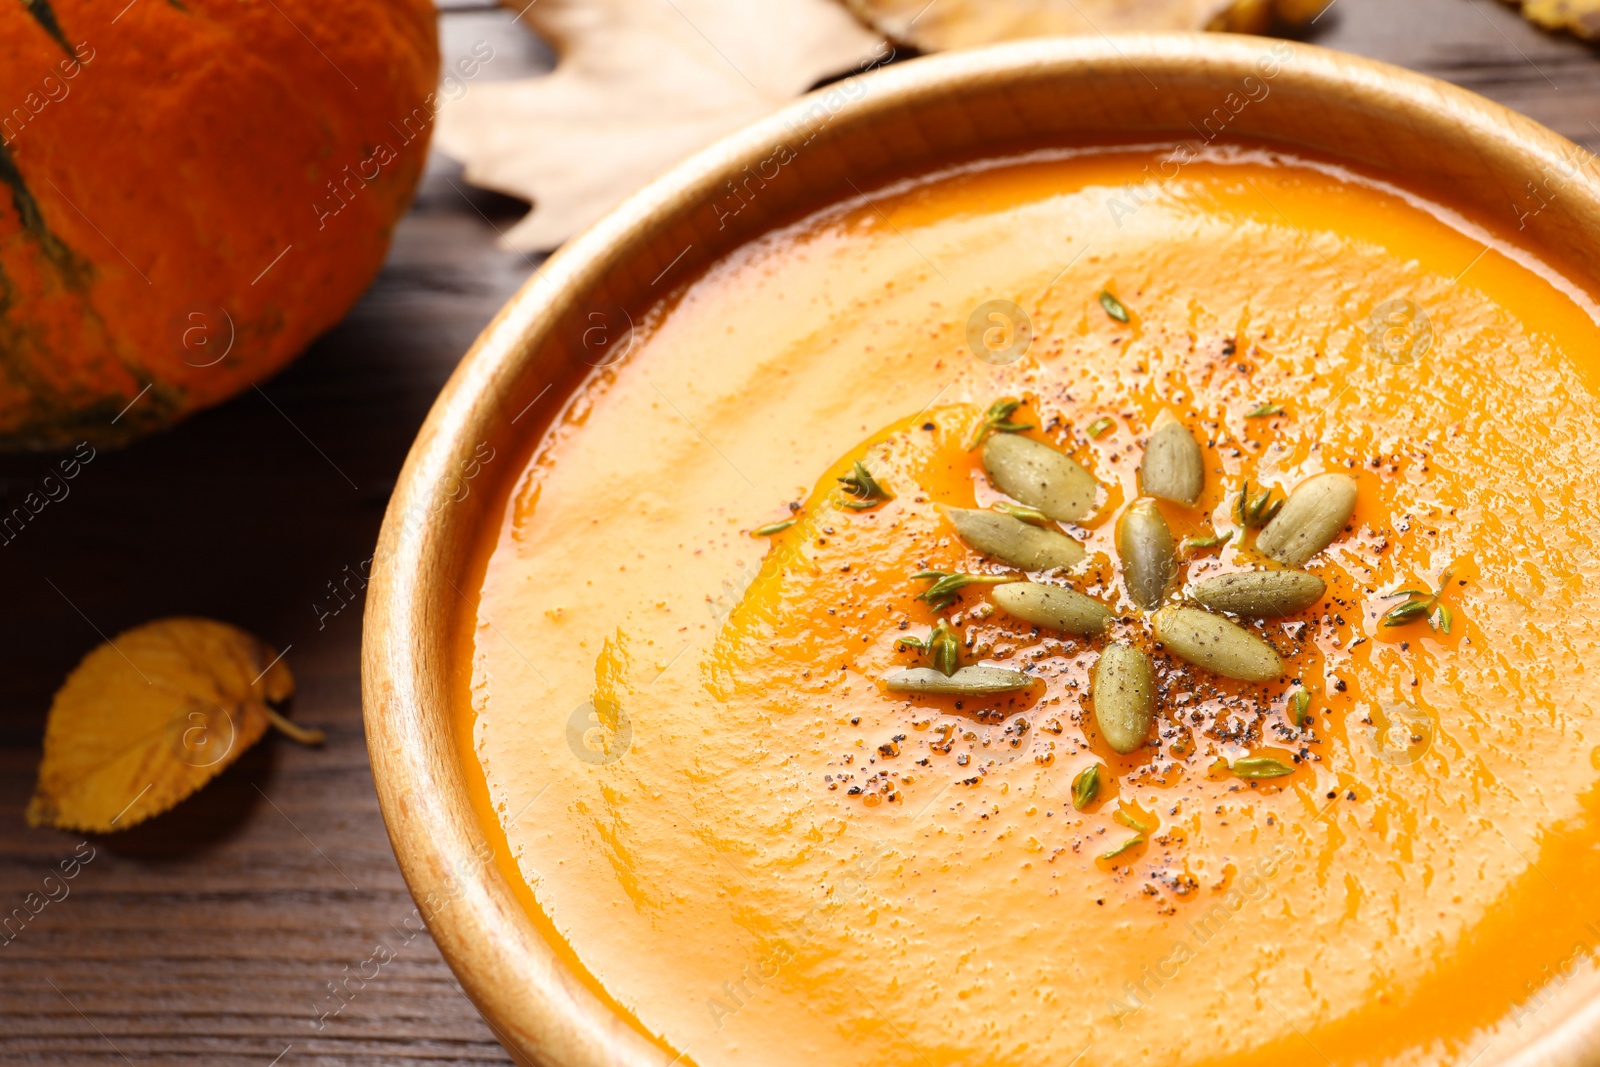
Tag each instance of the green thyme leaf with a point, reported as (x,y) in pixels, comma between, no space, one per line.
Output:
(1255,510)
(1422,605)
(772,528)
(1264,411)
(945,585)
(1300,708)
(998,420)
(1410,611)
(942,645)
(1196,544)
(860,484)
(1097,429)
(1133,842)
(1121,815)
(1086,786)
(1260,767)
(1113,306)
(1022,512)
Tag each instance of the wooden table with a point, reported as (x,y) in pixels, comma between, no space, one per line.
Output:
(211,935)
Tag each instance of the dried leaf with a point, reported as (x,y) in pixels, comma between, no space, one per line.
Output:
(1581,17)
(151,716)
(962,23)
(640,86)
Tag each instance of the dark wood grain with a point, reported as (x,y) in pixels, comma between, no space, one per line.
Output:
(211,935)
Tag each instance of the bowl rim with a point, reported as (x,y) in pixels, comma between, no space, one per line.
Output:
(537,1007)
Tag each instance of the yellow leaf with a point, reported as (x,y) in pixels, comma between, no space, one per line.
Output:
(963,23)
(640,86)
(1581,17)
(151,716)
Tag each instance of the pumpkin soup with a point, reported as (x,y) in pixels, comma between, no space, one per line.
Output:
(1028,614)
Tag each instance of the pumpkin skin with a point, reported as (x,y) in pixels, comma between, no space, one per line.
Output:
(190,192)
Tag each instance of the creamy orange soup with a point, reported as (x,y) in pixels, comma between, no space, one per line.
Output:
(760,854)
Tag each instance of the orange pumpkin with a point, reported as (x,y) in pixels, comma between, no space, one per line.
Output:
(190,192)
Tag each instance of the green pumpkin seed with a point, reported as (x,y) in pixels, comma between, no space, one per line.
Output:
(1149,557)
(1214,643)
(1053,606)
(1173,467)
(1314,515)
(1124,693)
(1010,540)
(1260,594)
(1299,709)
(1255,767)
(1040,476)
(968,681)
(1114,307)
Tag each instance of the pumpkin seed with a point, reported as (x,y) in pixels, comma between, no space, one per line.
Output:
(1172,467)
(1052,606)
(1214,643)
(1040,476)
(1299,709)
(1010,540)
(968,681)
(1311,519)
(1086,786)
(1260,767)
(1260,594)
(1124,693)
(1114,307)
(1149,557)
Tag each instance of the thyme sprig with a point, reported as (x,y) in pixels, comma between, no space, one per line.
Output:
(1199,544)
(942,646)
(1255,510)
(1422,605)
(1126,818)
(1021,511)
(866,490)
(1133,842)
(998,420)
(946,585)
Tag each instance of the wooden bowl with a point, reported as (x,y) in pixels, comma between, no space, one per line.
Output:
(826,147)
